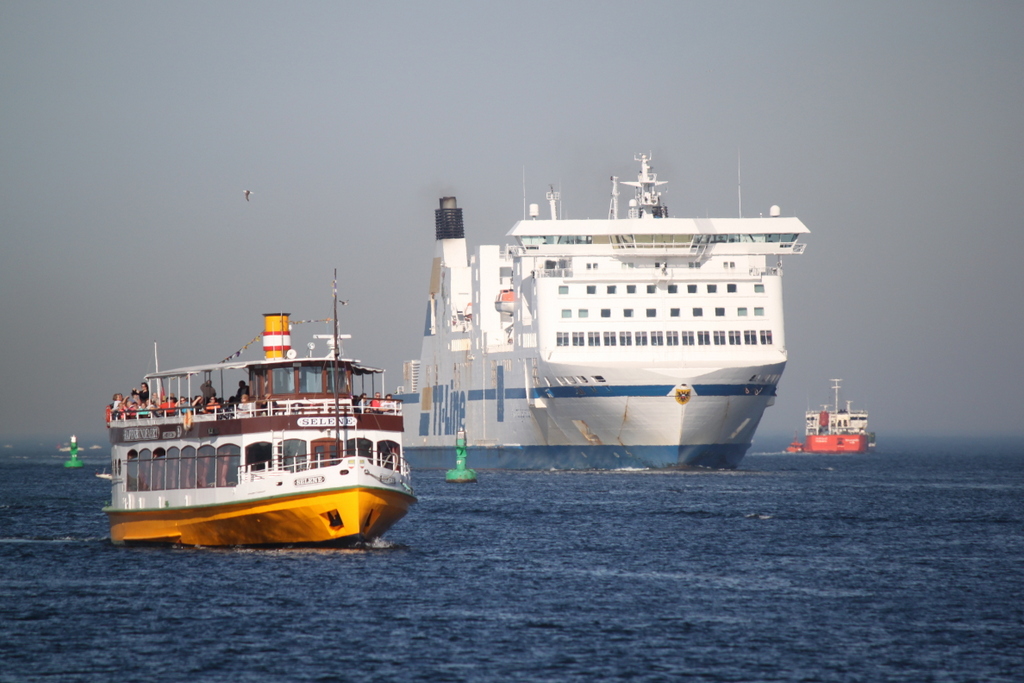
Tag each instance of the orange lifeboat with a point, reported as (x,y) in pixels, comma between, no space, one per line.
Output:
(505,302)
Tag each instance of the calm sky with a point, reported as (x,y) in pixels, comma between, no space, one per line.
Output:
(128,132)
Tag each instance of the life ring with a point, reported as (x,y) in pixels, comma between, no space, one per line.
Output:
(186,420)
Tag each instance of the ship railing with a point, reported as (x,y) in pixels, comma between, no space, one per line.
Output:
(553,272)
(761,272)
(260,409)
(306,462)
(511,250)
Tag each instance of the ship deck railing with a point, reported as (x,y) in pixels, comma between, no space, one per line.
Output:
(281,407)
(293,464)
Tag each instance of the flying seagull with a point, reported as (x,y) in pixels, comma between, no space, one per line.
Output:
(246,193)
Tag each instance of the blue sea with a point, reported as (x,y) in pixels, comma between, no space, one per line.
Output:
(905,565)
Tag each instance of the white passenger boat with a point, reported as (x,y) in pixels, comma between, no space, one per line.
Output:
(645,341)
(296,463)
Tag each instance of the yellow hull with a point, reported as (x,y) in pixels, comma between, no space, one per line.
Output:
(329,517)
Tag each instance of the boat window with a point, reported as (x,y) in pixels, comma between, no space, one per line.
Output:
(358,447)
(343,386)
(283,381)
(759,289)
(388,452)
(691,289)
(311,380)
(187,479)
(172,468)
(652,312)
(258,455)
(206,467)
(295,454)
(673,312)
(145,469)
(741,311)
(132,471)
(258,382)
(630,289)
(159,468)
(229,457)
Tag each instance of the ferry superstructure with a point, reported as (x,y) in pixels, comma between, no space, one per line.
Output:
(645,341)
(298,462)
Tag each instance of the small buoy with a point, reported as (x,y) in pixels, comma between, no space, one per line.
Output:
(461,474)
(74,461)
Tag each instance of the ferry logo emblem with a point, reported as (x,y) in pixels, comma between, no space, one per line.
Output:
(682,395)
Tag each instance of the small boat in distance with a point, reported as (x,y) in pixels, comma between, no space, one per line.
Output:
(296,459)
(835,430)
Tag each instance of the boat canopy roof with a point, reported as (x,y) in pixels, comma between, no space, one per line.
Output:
(660,226)
(357,367)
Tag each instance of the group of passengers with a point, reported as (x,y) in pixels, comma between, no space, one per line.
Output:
(386,405)
(140,403)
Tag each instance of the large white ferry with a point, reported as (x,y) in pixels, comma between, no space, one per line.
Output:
(645,341)
(300,461)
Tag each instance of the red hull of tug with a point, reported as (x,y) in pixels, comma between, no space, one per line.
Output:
(836,443)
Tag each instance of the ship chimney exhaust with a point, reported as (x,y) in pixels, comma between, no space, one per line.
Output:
(448,221)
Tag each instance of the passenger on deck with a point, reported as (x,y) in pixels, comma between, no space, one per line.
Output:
(208,391)
(143,393)
(389,405)
(243,390)
(166,407)
(358,402)
(245,406)
(213,405)
(375,403)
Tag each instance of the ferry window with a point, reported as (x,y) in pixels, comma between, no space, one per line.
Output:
(703,339)
(741,311)
(283,380)
(720,312)
(611,289)
(187,479)
(627,313)
(698,312)
(295,457)
(258,455)
(577,339)
(657,339)
(172,467)
(159,470)
(758,311)
(731,289)
(673,289)
(609,339)
(652,312)
(582,313)
(606,312)
(734,337)
(229,457)
(691,289)
(641,339)
(687,338)
(566,312)
(258,382)
(630,289)
(362,448)
(766,337)
(712,289)
(311,380)
(561,338)
(593,338)
(719,338)
(673,312)
(625,338)
(672,338)
(145,469)
(132,471)
(388,451)
(324,453)
(343,385)
(651,289)
(206,467)
(591,289)
(759,289)
(563,289)
(750,337)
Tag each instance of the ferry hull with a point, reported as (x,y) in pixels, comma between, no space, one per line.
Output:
(713,456)
(836,443)
(333,517)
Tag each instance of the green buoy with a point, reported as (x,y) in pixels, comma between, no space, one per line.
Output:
(74,461)
(461,474)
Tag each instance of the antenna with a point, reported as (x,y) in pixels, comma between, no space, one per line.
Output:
(524,192)
(613,207)
(739,183)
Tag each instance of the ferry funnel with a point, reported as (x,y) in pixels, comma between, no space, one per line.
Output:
(277,338)
(448,221)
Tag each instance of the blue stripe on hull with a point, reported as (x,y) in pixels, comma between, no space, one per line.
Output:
(714,456)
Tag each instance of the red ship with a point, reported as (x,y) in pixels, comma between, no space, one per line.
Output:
(835,430)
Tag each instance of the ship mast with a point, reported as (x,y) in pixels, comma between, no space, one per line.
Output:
(836,389)
(648,200)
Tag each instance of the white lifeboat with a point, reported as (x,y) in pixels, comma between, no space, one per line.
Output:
(505,302)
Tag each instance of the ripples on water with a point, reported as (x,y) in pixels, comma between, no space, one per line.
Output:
(908,566)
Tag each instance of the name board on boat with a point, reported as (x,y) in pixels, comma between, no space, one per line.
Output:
(306,481)
(151,433)
(347,421)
